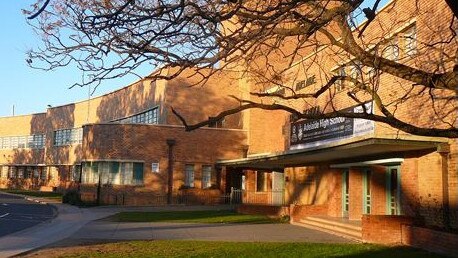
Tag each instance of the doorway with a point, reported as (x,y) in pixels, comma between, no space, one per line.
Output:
(278,185)
(393,191)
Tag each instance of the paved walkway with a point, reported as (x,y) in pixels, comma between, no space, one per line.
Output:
(75,224)
(105,230)
(69,220)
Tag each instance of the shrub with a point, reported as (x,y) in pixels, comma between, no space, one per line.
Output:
(72,197)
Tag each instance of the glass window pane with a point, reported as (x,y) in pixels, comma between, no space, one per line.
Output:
(189,175)
(138,173)
(206,176)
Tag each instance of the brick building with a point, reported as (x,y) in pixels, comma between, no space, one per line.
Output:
(127,141)
(131,144)
(362,179)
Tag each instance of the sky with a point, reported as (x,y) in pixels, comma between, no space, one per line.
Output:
(30,90)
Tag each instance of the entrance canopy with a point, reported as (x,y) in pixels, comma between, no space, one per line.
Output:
(356,151)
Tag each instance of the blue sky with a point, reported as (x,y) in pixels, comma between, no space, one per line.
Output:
(31,90)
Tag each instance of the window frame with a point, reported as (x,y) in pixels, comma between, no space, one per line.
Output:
(207,179)
(189,175)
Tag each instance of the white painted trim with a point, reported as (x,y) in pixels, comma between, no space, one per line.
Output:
(367,163)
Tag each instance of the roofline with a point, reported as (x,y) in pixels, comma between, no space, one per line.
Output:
(360,140)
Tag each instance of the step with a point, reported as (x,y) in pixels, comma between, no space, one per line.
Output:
(334,223)
(352,232)
(354,237)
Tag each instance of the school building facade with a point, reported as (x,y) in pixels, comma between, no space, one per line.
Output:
(362,179)
(128,142)
(127,148)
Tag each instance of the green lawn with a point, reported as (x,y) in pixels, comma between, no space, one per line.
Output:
(231,249)
(50,195)
(223,216)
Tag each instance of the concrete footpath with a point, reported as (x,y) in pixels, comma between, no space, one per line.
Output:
(115,231)
(69,220)
(76,225)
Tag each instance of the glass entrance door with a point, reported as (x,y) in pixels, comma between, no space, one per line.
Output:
(278,185)
(393,191)
(345,193)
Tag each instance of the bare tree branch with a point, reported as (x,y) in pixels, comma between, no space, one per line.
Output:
(269,44)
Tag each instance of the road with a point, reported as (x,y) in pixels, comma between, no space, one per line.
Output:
(17,214)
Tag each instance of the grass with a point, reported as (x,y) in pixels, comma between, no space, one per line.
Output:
(222,216)
(232,249)
(49,195)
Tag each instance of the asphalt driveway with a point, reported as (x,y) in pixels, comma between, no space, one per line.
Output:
(17,214)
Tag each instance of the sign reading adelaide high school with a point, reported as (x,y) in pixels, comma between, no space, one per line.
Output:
(308,133)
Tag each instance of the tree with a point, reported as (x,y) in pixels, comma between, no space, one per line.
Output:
(272,43)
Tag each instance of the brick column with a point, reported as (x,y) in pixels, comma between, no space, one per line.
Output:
(355,193)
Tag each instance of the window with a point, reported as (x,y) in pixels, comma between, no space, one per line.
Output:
(410,41)
(28,172)
(4,171)
(44,174)
(53,173)
(371,73)
(261,184)
(36,141)
(148,117)
(21,142)
(115,173)
(340,84)
(14,142)
(75,174)
(189,175)
(12,172)
(155,167)
(216,123)
(20,172)
(356,72)
(206,176)
(36,172)
(6,143)
(104,172)
(68,136)
(138,174)
(391,51)
(126,173)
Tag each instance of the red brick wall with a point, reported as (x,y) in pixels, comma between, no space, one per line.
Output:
(431,240)
(271,211)
(197,102)
(355,193)
(384,229)
(147,143)
(335,194)
(409,186)
(137,196)
(300,211)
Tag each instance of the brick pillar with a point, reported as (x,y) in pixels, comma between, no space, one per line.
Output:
(355,192)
